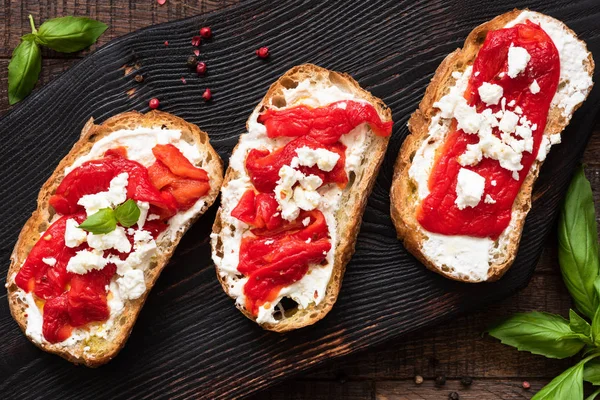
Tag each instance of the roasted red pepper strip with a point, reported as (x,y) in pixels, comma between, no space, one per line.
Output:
(179,165)
(56,326)
(263,166)
(116,152)
(265,283)
(174,174)
(87,296)
(325,124)
(280,257)
(256,252)
(438,212)
(187,191)
(258,210)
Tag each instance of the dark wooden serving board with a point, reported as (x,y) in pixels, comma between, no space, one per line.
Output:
(190,341)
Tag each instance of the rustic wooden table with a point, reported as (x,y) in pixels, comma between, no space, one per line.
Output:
(454,349)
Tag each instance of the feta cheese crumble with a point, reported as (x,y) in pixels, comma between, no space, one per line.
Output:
(51,261)
(323,158)
(509,122)
(292,199)
(469,188)
(490,93)
(132,284)
(534,87)
(74,236)
(116,239)
(85,261)
(489,199)
(518,58)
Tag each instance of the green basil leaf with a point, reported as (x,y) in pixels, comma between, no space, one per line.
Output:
(103,221)
(593,395)
(538,333)
(23,70)
(128,213)
(591,372)
(578,244)
(69,34)
(566,386)
(578,324)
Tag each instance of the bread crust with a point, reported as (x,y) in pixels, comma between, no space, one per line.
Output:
(103,350)
(349,216)
(404,199)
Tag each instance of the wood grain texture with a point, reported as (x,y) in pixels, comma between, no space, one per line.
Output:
(482,389)
(177,316)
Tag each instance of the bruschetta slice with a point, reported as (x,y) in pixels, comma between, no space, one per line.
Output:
(463,178)
(294,195)
(107,222)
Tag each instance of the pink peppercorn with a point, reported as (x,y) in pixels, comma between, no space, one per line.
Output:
(263,52)
(206,32)
(154,103)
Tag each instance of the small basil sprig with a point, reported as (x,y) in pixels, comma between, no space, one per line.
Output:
(65,34)
(105,220)
(551,335)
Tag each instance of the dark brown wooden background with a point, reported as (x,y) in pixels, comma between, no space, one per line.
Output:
(454,349)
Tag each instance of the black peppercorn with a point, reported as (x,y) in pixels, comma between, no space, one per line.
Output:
(454,396)
(138,78)
(192,61)
(440,381)
(466,381)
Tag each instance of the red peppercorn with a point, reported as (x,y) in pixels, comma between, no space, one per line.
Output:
(201,68)
(207,95)
(206,32)
(197,52)
(154,103)
(263,52)
(526,385)
(196,41)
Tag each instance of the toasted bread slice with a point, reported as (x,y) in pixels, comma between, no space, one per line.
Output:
(577,68)
(95,350)
(353,201)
